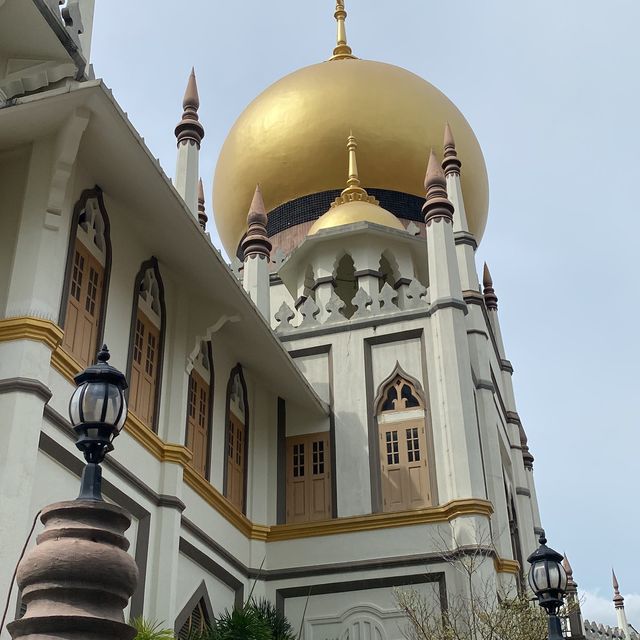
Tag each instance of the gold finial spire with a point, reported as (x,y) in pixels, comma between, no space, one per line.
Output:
(342,49)
(353,191)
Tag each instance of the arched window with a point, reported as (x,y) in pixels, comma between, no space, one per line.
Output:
(195,623)
(236,440)
(199,401)
(402,438)
(196,615)
(146,345)
(86,278)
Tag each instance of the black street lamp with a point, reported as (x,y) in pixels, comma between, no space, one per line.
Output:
(548,580)
(98,411)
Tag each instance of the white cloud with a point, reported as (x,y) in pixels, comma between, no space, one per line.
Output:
(598,608)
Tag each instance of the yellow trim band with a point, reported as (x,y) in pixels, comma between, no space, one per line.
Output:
(30,328)
(505,565)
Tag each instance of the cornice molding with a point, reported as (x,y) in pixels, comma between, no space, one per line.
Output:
(31,328)
(443,513)
(505,565)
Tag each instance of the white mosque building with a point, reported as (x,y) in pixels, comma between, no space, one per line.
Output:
(314,421)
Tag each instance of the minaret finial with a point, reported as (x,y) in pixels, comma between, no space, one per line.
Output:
(618,600)
(202,216)
(437,205)
(190,129)
(354,190)
(490,297)
(450,163)
(342,49)
(256,243)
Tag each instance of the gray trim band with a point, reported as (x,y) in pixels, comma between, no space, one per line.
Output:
(506,365)
(448,303)
(523,491)
(465,237)
(363,585)
(203,560)
(485,384)
(26,385)
(353,325)
(367,272)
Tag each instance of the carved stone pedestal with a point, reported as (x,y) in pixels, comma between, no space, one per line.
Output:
(79,578)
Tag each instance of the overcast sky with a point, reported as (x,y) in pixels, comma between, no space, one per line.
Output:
(551,89)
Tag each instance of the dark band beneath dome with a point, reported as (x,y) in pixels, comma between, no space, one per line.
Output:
(310,208)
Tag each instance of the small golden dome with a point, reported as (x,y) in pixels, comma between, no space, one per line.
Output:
(288,139)
(355,211)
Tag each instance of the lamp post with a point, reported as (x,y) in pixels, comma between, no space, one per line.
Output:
(98,411)
(79,578)
(548,580)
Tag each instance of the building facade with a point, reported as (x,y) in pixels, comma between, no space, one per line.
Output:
(327,418)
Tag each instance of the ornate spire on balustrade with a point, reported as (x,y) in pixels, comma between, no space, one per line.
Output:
(256,243)
(437,206)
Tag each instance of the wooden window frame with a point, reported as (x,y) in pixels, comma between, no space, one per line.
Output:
(207,474)
(309,462)
(237,370)
(152,263)
(79,207)
(428,454)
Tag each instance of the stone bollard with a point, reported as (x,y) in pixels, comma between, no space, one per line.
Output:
(79,578)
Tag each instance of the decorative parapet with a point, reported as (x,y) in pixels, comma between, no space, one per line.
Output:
(389,303)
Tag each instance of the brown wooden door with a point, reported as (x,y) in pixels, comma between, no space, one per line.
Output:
(308,478)
(84,304)
(236,443)
(144,368)
(198,422)
(405,478)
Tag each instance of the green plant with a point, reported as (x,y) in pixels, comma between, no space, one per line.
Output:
(148,630)
(277,622)
(239,624)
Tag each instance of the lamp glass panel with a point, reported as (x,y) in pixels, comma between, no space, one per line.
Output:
(563,578)
(123,415)
(539,579)
(93,401)
(74,406)
(115,401)
(554,575)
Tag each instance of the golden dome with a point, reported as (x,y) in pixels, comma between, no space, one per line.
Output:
(355,211)
(289,139)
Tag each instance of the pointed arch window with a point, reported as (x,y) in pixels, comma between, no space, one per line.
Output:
(236,440)
(402,441)
(199,410)
(87,272)
(146,345)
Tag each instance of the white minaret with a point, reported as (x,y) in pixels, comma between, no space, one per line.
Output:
(465,242)
(453,409)
(618,601)
(189,133)
(256,249)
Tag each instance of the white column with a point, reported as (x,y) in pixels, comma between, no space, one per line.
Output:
(255,281)
(452,397)
(188,174)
